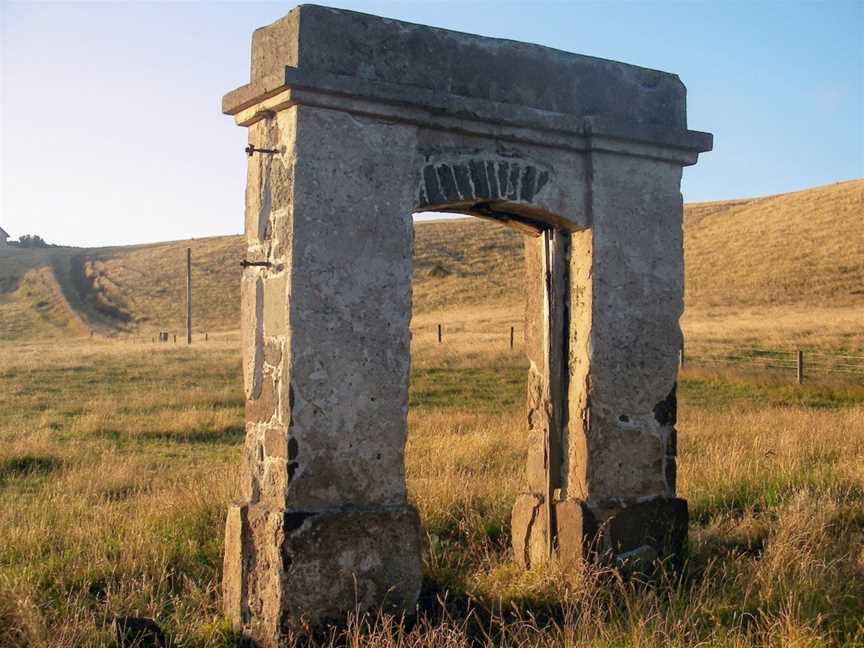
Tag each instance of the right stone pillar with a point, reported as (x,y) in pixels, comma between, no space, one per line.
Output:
(602,326)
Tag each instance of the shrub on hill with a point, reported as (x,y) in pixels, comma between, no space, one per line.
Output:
(32,241)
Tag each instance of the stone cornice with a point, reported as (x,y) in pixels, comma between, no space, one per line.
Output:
(481,117)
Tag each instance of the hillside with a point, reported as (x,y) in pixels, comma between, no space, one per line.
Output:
(803,247)
(747,258)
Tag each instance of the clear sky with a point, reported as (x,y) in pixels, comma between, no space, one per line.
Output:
(111,129)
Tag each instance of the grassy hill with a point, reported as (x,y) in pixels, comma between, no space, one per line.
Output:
(749,263)
(806,246)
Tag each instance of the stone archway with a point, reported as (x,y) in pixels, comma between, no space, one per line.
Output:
(353,126)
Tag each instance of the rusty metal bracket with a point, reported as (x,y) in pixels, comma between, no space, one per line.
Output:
(255,264)
(250,150)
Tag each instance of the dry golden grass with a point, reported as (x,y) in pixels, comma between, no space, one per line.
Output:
(117,461)
(782,270)
(32,305)
(796,248)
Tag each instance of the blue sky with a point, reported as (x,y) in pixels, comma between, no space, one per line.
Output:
(111,131)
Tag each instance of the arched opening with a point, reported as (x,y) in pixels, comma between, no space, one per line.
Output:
(487,316)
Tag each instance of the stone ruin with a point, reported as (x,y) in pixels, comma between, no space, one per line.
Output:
(355,122)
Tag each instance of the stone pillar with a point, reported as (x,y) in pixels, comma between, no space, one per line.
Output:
(613,483)
(325,526)
(620,486)
(547,289)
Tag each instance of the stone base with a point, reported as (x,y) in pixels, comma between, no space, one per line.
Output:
(287,569)
(655,528)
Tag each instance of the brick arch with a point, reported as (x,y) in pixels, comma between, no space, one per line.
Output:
(490,186)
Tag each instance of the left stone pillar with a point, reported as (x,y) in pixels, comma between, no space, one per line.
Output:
(324,527)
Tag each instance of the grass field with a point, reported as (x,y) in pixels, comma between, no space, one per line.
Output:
(118,457)
(118,460)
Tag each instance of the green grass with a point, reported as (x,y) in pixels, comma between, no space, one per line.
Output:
(723,388)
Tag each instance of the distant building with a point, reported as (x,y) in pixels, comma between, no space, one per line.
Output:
(4,235)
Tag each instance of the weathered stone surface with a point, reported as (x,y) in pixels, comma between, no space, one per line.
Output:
(529,531)
(660,523)
(363,127)
(375,558)
(276,305)
(235,566)
(263,407)
(273,353)
(352,44)
(576,531)
(318,565)
(637,276)
(252,332)
(350,309)
(616,533)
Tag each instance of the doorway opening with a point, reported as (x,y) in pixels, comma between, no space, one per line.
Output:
(466,450)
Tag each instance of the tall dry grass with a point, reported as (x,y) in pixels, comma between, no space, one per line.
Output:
(117,462)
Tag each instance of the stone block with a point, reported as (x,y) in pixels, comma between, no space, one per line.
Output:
(252,332)
(529,531)
(349,44)
(263,407)
(287,567)
(625,460)
(660,523)
(234,565)
(276,442)
(275,306)
(621,533)
(576,531)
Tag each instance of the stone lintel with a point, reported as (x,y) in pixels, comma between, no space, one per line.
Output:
(340,58)
(372,49)
(255,101)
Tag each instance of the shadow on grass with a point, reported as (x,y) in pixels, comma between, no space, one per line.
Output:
(230,435)
(764,493)
(27,465)
(486,389)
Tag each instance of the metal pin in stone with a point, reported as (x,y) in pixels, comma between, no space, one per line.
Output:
(251,150)
(255,264)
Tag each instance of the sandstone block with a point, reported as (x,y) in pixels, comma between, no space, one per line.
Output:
(529,531)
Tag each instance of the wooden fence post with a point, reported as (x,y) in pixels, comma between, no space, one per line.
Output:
(800,367)
(188,295)
(439,334)
(511,337)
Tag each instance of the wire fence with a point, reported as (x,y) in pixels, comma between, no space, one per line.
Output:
(798,363)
